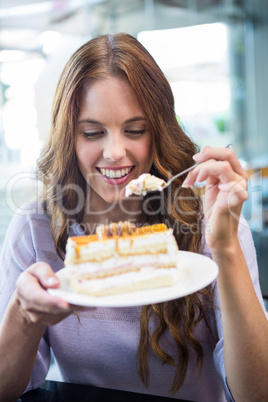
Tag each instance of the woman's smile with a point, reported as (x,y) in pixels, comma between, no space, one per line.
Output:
(116,175)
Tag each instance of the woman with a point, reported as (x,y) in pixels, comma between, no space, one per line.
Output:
(113,119)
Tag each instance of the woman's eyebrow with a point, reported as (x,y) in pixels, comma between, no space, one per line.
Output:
(133,119)
(89,121)
(92,121)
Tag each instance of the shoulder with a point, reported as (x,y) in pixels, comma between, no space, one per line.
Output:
(28,220)
(29,236)
(30,212)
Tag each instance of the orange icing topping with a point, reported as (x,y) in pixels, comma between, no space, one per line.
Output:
(111,231)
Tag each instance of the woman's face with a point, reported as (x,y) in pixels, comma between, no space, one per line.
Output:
(113,143)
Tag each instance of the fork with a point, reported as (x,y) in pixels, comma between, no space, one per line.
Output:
(185,171)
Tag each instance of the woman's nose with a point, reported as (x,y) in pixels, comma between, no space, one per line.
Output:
(114,148)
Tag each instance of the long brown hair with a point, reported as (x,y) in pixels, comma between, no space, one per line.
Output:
(123,56)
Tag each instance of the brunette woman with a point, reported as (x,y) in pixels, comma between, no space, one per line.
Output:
(113,119)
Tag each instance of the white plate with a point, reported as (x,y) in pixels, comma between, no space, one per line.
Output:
(197,271)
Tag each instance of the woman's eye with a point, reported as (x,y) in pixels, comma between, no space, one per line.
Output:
(135,132)
(93,134)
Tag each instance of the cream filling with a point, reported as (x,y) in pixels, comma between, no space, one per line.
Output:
(114,263)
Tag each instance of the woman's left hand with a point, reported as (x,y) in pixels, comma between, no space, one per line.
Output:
(226,191)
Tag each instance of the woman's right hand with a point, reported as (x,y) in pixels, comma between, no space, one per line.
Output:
(36,304)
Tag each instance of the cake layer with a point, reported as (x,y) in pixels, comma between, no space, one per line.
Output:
(145,278)
(117,264)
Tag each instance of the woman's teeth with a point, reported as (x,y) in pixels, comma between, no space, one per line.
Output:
(115,174)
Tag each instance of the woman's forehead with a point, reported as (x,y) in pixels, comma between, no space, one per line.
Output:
(111,94)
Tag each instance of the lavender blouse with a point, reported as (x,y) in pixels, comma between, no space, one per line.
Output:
(101,349)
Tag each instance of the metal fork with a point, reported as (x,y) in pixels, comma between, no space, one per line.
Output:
(185,171)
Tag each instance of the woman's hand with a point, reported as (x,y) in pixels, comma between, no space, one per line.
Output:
(226,190)
(35,303)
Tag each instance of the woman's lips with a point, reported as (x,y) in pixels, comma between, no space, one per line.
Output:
(115,180)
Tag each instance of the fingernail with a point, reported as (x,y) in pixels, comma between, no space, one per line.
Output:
(52,280)
(196,156)
(185,184)
(62,306)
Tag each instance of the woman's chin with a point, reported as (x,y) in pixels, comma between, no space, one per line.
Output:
(107,201)
(113,199)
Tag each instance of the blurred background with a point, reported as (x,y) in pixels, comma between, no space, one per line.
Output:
(213,52)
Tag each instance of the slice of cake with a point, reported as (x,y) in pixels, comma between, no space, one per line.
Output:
(121,258)
(144,183)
